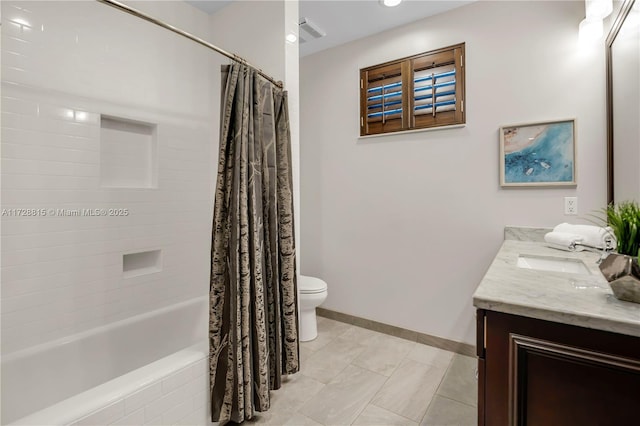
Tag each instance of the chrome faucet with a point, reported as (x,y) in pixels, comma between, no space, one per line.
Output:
(602,251)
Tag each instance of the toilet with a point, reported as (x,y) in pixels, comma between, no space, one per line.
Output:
(313,291)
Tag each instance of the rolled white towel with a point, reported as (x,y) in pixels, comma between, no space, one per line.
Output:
(563,241)
(595,236)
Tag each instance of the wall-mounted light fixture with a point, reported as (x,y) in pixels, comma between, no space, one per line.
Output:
(590,31)
(598,9)
(591,28)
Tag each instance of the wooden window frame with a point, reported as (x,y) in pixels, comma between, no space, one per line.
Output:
(409,120)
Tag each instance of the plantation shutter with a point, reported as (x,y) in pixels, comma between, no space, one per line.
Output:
(437,89)
(425,90)
(384,99)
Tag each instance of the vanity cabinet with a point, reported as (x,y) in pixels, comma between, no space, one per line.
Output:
(534,372)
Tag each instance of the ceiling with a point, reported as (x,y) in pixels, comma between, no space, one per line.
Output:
(209,6)
(344,21)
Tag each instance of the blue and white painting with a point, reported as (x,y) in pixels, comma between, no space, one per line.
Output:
(541,153)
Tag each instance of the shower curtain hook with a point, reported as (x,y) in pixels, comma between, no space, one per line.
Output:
(239,59)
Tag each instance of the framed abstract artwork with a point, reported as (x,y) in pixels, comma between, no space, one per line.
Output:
(538,154)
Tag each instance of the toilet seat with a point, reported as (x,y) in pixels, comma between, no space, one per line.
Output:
(311,285)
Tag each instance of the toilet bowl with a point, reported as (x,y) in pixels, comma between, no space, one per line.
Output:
(313,291)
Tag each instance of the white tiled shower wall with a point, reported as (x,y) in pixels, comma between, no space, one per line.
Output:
(63,65)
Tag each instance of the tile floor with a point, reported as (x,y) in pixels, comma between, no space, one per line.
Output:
(354,376)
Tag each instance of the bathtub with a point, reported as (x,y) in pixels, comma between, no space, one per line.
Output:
(149,369)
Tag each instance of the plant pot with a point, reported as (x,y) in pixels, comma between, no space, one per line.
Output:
(623,274)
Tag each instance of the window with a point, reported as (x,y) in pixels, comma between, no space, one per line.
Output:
(421,91)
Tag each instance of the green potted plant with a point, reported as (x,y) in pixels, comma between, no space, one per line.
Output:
(621,269)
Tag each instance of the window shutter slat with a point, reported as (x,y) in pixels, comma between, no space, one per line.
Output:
(384,92)
(434,91)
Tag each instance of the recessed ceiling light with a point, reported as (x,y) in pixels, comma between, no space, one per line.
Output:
(390,3)
(291,38)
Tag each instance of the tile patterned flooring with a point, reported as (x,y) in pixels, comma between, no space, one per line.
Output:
(354,376)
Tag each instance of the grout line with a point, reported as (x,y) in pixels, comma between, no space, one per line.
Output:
(400,415)
(382,387)
(436,392)
(448,397)
(76,150)
(404,358)
(369,370)
(359,413)
(455,400)
(424,416)
(372,396)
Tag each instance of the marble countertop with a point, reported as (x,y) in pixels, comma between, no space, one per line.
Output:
(582,300)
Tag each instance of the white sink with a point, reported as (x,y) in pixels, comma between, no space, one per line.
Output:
(555,264)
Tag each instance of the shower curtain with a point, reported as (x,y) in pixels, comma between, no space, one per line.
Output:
(253,321)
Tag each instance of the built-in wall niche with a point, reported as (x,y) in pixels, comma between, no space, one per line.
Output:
(128,153)
(141,263)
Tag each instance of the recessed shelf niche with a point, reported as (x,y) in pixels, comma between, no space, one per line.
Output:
(128,153)
(141,263)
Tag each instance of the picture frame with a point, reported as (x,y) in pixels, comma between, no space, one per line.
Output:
(541,154)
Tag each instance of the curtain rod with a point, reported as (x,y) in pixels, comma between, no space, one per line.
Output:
(137,13)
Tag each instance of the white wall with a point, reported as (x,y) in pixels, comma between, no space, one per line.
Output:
(63,275)
(253,30)
(403,227)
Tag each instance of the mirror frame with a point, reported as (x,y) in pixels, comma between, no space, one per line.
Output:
(613,33)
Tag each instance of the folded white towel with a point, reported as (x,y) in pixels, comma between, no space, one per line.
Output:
(595,236)
(563,241)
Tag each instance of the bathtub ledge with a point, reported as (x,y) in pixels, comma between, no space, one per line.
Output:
(73,410)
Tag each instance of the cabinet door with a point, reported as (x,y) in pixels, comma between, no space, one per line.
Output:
(543,373)
(556,384)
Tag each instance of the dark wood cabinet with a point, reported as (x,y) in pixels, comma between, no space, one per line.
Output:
(533,372)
